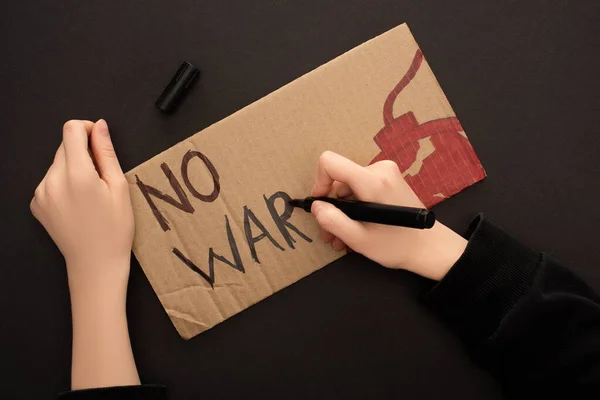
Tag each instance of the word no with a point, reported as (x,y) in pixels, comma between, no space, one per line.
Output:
(251,222)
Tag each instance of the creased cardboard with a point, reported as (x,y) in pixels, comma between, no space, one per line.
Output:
(213,232)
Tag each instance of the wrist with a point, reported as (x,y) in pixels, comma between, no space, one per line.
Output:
(435,252)
(101,354)
(97,302)
(103,280)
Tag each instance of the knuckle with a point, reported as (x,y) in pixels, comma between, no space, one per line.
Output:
(380,184)
(36,206)
(39,192)
(385,181)
(69,125)
(389,175)
(121,183)
(34,210)
(390,166)
(52,184)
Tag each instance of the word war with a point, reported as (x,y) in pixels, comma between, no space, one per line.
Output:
(252,223)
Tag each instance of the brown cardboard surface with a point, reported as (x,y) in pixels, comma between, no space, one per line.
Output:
(272,146)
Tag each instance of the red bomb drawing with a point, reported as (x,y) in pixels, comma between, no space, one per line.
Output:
(435,157)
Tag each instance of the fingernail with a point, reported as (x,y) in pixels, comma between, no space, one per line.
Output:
(102,127)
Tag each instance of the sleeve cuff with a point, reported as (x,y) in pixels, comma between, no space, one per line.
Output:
(485,283)
(145,392)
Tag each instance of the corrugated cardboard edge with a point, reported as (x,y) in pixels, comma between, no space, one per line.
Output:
(251,107)
(273,93)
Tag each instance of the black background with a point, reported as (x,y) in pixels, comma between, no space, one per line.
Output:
(521,76)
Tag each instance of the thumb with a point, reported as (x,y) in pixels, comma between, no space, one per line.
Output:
(104,152)
(334,221)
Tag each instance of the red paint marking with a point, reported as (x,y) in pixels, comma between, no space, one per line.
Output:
(453,165)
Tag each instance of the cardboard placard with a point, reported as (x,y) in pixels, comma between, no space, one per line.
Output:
(214,234)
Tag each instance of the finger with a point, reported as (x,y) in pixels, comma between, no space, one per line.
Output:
(88,125)
(333,167)
(327,237)
(333,220)
(337,244)
(59,156)
(341,190)
(59,162)
(75,141)
(104,153)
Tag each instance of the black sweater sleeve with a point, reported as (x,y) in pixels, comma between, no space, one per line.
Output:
(527,319)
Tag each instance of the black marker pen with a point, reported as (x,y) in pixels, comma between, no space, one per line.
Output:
(408,217)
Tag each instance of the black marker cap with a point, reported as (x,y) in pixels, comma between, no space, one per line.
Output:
(177,88)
